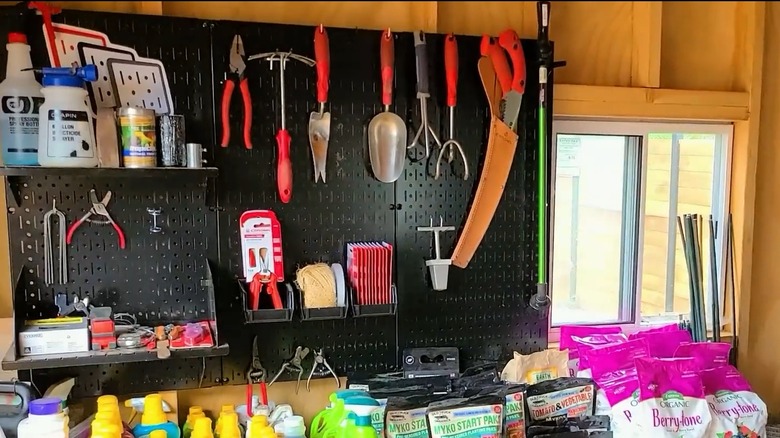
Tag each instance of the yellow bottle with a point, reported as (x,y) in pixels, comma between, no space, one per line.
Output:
(104,429)
(257,422)
(226,409)
(195,412)
(154,418)
(202,428)
(258,431)
(230,427)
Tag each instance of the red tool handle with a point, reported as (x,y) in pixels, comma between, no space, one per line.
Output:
(227,94)
(263,393)
(283,166)
(72,229)
(488,47)
(387,54)
(511,43)
(273,290)
(254,292)
(451,68)
(247,99)
(249,397)
(120,234)
(322,57)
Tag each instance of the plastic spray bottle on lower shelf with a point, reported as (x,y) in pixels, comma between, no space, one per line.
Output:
(195,412)
(154,419)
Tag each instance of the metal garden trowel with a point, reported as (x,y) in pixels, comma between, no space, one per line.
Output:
(319,121)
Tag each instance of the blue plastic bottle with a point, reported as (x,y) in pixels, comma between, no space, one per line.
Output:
(20,100)
(154,418)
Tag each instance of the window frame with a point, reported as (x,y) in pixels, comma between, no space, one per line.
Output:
(641,129)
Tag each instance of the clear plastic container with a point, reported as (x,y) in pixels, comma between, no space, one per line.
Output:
(45,419)
(20,98)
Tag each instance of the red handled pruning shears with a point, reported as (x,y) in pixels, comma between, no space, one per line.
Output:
(99,209)
(261,279)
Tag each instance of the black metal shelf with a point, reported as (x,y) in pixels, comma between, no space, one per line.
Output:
(108,172)
(11,362)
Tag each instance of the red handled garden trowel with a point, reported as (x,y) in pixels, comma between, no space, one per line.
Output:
(319,121)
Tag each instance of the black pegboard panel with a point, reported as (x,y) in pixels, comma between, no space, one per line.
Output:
(321,218)
(157,277)
(485,309)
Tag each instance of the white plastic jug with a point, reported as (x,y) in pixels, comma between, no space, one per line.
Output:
(46,419)
(20,98)
(66,135)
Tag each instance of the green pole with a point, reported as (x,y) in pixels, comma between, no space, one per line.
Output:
(542,297)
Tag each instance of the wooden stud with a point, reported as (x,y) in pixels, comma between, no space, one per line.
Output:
(646,44)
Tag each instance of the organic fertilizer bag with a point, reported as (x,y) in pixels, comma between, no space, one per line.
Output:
(615,374)
(740,411)
(663,345)
(566,342)
(586,343)
(477,417)
(671,400)
(662,329)
(383,387)
(404,417)
(560,398)
(708,355)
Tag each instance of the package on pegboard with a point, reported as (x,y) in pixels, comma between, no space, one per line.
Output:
(261,244)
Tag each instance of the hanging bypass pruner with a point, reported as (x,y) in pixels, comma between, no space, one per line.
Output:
(255,375)
(324,369)
(98,209)
(293,365)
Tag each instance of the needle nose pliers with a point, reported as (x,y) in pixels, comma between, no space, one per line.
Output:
(236,74)
(98,209)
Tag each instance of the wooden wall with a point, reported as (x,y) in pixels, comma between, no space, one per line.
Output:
(639,60)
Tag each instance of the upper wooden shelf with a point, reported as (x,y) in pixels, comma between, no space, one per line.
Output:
(108,172)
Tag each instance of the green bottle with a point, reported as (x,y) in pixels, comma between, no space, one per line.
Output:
(358,423)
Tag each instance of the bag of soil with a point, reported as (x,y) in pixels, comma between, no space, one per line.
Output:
(479,416)
(560,398)
(405,416)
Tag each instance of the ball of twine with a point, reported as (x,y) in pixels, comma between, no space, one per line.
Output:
(317,284)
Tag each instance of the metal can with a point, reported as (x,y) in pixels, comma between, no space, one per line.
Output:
(138,138)
(172,140)
(194,155)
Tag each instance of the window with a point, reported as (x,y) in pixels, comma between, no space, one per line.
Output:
(618,189)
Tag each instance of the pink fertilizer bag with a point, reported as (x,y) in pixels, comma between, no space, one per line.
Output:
(741,412)
(615,374)
(671,400)
(661,329)
(568,342)
(663,344)
(707,354)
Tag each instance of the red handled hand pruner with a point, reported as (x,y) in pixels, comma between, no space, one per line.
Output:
(98,209)
(267,280)
(235,75)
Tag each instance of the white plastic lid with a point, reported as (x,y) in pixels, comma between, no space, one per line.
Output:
(294,426)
